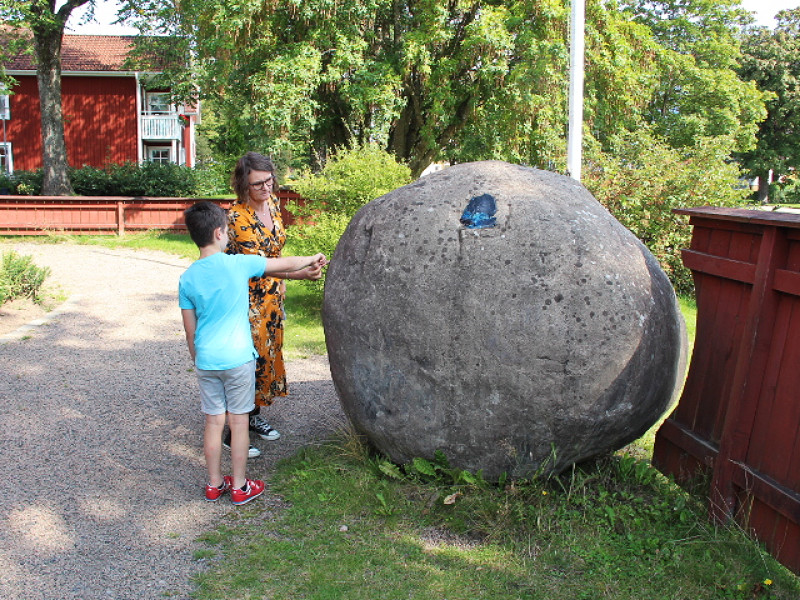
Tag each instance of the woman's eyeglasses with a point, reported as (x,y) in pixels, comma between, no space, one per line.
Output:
(261,185)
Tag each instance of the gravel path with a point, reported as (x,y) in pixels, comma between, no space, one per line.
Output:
(101,435)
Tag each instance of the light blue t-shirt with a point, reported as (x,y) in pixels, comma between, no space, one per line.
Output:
(216,287)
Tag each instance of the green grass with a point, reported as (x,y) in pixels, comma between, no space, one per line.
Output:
(614,528)
(355,526)
(173,243)
(689,310)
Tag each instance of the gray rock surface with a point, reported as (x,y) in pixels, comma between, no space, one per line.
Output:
(545,340)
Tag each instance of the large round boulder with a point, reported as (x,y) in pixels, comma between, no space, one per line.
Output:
(525,346)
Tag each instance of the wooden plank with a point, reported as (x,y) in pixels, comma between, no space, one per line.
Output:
(743,215)
(785,422)
(749,369)
(777,497)
(732,307)
(787,282)
(719,266)
(762,437)
(688,441)
(27,215)
(744,246)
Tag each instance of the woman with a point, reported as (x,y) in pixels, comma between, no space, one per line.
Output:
(255,226)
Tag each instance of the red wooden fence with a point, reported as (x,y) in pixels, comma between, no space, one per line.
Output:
(42,215)
(738,418)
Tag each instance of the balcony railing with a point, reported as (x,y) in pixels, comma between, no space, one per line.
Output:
(161,127)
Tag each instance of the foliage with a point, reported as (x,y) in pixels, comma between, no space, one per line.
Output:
(614,528)
(19,277)
(772,61)
(212,179)
(320,235)
(697,91)
(350,178)
(457,81)
(128,179)
(643,179)
(785,192)
(22,183)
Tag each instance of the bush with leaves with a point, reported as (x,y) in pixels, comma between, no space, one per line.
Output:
(128,179)
(212,178)
(22,183)
(786,191)
(350,179)
(20,278)
(640,180)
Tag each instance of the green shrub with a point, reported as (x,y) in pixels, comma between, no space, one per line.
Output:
(787,192)
(351,178)
(152,179)
(127,179)
(90,181)
(641,180)
(22,183)
(212,178)
(20,278)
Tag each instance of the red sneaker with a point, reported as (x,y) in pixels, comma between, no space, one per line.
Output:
(252,489)
(214,493)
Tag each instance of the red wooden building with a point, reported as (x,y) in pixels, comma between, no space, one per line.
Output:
(109,115)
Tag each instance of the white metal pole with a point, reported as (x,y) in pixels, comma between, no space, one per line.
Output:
(576,51)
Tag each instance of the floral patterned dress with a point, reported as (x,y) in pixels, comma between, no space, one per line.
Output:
(248,235)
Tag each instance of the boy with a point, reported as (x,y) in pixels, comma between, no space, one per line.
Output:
(214,299)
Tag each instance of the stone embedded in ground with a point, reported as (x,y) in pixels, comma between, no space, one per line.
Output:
(550,338)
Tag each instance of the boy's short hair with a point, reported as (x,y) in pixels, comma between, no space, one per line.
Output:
(202,218)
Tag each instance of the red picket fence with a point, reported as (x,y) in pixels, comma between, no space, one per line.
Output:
(42,215)
(738,419)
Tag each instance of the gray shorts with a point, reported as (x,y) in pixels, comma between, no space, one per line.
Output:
(231,390)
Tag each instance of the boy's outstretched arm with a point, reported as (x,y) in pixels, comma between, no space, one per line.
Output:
(189,327)
(287,264)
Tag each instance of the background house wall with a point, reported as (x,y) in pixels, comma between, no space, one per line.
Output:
(99,121)
(103,110)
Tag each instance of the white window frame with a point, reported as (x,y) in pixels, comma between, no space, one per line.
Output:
(153,149)
(7,162)
(5,103)
(157,103)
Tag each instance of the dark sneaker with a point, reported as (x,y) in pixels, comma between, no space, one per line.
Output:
(252,452)
(260,427)
(214,493)
(252,489)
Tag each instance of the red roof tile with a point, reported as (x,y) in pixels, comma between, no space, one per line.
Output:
(84,53)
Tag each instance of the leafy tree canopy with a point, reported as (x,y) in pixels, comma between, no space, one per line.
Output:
(459,80)
(698,92)
(772,61)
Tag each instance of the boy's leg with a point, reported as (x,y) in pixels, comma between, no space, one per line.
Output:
(240,444)
(212,447)
(240,392)
(212,401)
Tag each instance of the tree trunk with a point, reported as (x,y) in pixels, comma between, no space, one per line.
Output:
(47,47)
(763,188)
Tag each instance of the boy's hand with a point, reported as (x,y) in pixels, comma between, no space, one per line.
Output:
(318,261)
(311,272)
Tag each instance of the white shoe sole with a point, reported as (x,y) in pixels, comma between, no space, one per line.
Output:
(252,452)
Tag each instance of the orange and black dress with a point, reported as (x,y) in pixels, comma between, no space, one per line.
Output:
(248,235)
